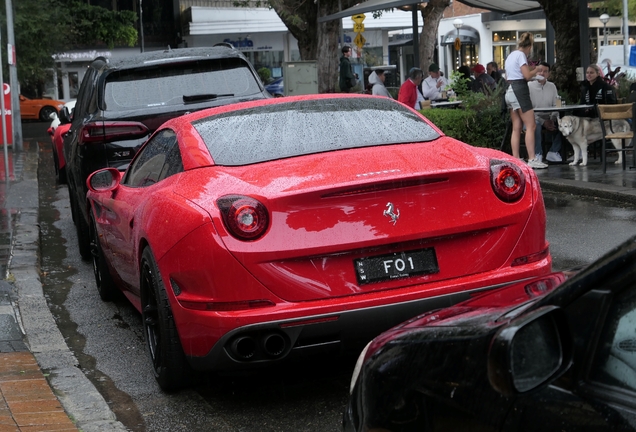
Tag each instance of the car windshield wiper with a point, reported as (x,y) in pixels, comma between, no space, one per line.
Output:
(204,97)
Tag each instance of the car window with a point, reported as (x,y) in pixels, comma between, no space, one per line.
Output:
(615,362)
(304,127)
(84,92)
(167,83)
(159,159)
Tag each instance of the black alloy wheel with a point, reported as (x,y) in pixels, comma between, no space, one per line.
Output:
(170,366)
(45,113)
(60,173)
(103,280)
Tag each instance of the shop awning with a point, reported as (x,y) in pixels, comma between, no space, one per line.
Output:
(467,35)
(369,6)
(504,6)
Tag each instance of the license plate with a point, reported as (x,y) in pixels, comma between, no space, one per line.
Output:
(396,265)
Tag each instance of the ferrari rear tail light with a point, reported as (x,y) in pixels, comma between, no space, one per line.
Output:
(244,217)
(508,181)
(111,130)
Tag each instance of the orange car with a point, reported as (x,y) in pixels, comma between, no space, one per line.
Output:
(39,109)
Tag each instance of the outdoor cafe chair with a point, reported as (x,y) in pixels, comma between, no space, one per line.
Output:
(610,113)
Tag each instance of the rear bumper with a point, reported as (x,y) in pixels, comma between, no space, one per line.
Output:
(271,342)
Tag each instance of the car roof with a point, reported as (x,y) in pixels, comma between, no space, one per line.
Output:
(149,58)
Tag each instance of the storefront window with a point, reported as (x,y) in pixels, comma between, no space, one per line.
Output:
(504,36)
(499,54)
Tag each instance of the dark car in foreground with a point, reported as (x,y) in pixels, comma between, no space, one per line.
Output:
(121,102)
(548,354)
(256,233)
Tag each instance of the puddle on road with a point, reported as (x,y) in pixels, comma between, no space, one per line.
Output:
(56,284)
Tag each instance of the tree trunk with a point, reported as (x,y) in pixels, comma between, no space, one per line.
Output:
(328,55)
(431,15)
(568,45)
(315,41)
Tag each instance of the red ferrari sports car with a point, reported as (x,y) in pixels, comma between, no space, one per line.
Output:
(261,231)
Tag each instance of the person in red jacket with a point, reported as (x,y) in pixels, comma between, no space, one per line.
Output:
(408,90)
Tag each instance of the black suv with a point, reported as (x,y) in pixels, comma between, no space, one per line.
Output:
(121,102)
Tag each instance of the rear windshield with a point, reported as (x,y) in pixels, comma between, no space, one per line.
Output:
(298,128)
(167,83)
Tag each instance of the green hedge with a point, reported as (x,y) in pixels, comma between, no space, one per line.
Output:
(482,128)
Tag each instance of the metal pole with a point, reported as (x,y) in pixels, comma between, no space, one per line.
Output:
(141,24)
(4,121)
(549,40)
(342,41)
(584,34)
(626,46)
(416,38)
(13,83)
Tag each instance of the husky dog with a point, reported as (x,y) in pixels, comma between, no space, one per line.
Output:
(581,131)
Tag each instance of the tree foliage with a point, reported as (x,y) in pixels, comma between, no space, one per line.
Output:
(45,27)
(615,7)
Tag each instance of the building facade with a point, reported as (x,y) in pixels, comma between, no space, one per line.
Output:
(260,34)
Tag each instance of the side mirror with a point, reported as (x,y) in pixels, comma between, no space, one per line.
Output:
(104,180)
(64,116)
(530,351)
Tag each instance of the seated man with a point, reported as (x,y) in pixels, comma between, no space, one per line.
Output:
(543,95)
(434,83)
(483,82)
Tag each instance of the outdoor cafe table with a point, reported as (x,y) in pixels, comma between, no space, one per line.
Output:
(449,104)
(563,110)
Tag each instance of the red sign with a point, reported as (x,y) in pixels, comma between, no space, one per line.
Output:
(7,115)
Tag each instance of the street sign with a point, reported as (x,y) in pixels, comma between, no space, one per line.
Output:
(358,18)
(458,44)
(358,27)
(359,40)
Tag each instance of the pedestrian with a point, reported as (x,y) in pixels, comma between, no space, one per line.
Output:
(347,78)
(543,94)
(434,83)
(518,100)
(408,90)
(376,80)
(468,79)
(594,91)
(483,82)
(492,69)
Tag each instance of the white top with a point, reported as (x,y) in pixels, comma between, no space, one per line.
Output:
(543,96)
(514,61)
(430,89)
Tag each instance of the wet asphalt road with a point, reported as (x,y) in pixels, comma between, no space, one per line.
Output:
(107,338)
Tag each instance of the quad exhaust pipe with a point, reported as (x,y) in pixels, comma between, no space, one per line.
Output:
(268,346)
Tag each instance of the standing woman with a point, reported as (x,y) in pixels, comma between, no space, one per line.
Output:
(594,91)
(518,98)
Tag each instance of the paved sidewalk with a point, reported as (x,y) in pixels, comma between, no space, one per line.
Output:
(42,387)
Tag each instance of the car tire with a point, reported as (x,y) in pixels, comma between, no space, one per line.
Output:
(81,227)
(45,113)
(103,280)
(60,173)
(170,366)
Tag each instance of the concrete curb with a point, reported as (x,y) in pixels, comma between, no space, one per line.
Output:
(615,193)
(79,397)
